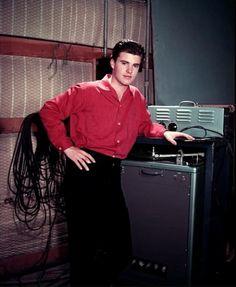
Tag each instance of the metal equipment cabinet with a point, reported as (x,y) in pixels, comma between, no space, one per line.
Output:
(177,214)
(161,201)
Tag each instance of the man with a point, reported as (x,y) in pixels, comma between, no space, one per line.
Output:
(106,116)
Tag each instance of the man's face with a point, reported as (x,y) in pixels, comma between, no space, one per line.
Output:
(125,68)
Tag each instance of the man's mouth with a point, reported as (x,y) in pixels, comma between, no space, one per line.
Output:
(127,77)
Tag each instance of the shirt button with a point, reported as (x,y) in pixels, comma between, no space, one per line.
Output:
(114,156)
(118,141)
(118,123)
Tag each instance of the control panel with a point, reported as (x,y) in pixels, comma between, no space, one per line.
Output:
(198,121)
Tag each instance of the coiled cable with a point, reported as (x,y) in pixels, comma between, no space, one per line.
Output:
(35,176)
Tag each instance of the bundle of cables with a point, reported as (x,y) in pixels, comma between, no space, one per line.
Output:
(36,173)
(35,176)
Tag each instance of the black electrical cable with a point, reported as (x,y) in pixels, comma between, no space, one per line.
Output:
(35,176)
(202,128)
(37,171)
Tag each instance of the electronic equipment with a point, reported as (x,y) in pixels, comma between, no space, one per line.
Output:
(197,120)
(175,199)
(161,202)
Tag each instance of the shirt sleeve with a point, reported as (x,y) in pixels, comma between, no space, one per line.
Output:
(156,130)
(147,127)
(54,113)
(150,129)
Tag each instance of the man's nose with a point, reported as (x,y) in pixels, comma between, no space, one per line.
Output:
(130,69)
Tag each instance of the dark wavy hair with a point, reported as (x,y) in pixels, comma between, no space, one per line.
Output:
(128,46)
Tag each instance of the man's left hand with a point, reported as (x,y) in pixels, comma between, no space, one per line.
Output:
(171,136)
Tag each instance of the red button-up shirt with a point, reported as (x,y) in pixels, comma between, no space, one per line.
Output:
(98,120)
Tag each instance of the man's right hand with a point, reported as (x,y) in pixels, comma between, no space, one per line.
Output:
(81,158)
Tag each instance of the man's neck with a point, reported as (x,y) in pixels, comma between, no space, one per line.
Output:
(119,88)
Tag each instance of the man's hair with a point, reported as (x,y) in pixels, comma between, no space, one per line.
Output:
(128,46)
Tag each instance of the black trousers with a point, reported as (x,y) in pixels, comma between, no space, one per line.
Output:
(98,222)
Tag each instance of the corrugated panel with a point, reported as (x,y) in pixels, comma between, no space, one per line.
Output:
(7,144)
(116,16)
(26,82)
(136,21)
(75,21)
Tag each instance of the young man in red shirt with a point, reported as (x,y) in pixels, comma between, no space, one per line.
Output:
(106,116)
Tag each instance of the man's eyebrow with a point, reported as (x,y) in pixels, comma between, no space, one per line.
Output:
(129,62)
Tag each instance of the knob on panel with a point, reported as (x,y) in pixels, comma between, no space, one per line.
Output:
(172,127)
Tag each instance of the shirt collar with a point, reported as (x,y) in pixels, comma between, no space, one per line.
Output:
(104,83)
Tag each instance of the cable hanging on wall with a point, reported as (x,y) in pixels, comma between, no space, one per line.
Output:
(35,174)
(53,63)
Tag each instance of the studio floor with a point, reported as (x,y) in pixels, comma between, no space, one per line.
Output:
(58,276)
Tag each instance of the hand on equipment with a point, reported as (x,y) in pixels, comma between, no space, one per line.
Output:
(171,136)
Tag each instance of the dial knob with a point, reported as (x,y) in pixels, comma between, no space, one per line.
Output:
(172,127)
